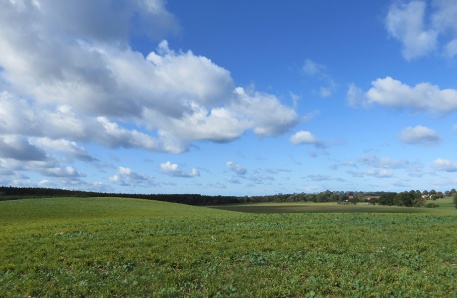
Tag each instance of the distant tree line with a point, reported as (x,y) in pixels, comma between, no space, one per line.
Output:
(413,198)
(12,193)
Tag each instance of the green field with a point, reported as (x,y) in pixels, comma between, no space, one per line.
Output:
(112,247)
(310,207)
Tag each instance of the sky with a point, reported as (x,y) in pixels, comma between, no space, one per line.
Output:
(228,97)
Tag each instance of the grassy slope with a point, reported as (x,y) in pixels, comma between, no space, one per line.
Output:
(123,247)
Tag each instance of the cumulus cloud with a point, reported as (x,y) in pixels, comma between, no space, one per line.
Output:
(68,172)
(72,149)
(70,78)
(236,168)
(16,147)
(264,111)
(424,97)
(423,28)
(405,22)
(419,135)
(84,82)
(445,165)
(176,171)
(127,177)
(306,137)
(48,167)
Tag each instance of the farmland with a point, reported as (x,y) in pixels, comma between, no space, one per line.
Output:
(310,207)
(108,247)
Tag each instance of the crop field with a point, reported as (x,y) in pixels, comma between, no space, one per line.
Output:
(317,208)
(113,247)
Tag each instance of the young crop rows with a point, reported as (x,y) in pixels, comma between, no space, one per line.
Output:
(113,247)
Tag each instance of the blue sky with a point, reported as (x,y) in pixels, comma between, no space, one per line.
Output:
(228,97)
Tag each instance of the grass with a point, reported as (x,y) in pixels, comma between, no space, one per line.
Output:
(111,247)
(317,208)
(446,206)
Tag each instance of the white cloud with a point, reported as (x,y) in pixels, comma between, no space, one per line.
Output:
(381,166)
(84,82)
(423,28)
(313,69)
(383,162)
(112,135)
(67,172)
(445,165)
(127,177)
(371,172)
(420,135)
(320,177)
(451,48)
(45,183)
(295,99)
(326,91)
(379,173)
(19,148)
(444,20)
(268,116)
(68,147)
(405,22)
(355,97)
(234,180)
(176,171)
(261,179)
(305,137)
(393,93)
(62,175)
(238,169)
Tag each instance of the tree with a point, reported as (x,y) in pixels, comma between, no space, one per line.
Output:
(324,196)
(404,199)
(336,197)
(387,198)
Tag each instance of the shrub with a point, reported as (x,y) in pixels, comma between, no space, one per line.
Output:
(431,205)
